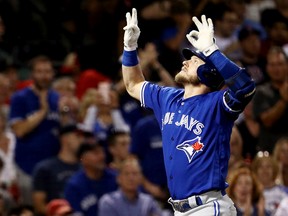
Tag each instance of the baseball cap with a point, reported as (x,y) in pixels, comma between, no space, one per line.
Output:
(86,147)
(57,207)
(69,129)
(188,53)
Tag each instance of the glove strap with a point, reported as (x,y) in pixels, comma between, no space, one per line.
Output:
(130,58)
(130,48)
(208,51)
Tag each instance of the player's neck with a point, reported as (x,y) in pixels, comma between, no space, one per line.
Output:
(191,90)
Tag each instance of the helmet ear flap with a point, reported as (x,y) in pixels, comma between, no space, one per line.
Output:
(209,76)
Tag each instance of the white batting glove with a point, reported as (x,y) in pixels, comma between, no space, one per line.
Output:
(132,31)
(203,39)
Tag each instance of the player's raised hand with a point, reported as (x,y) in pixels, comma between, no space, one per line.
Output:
(203,39)
(132,31)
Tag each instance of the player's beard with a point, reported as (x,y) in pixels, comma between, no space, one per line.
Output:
(181,79)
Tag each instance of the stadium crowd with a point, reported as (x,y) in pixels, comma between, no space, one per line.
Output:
(73,142)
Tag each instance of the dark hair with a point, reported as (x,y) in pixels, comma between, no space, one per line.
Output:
(86,147)
(37,59)
(246,31)
(113,135)
(277,50)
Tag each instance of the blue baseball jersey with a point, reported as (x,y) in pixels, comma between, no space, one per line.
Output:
(84,193)
(196,135)
(42,142)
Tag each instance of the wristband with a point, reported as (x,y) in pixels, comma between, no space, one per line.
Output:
(130,58)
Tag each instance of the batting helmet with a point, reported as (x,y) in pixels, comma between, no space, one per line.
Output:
(207,73)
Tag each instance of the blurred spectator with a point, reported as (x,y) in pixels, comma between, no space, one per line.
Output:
(280,153)
(225,24)
(127,200)
(68,103)
(103,114)
(275,22)
(34,119)
(85,187)
(89,78)
(51,175)
(165,22)
(172,36)
(83,78)
(147,147)
(7,200)
(7,149)
(266,169)
(250,58)
(59,207)
(22,210)
(4,96)
(271,99)
(152,68)
(89,99)
(17,78)
(64,86)
(246,192)
(118,145)
(236,147)
(248,128)
(254,8)
(154,71)
(282,208)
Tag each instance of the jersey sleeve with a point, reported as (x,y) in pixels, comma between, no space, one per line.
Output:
(149,97)
(154,96)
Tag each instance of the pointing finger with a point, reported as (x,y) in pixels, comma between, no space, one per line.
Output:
(204,21)
(210,23)
(134,17)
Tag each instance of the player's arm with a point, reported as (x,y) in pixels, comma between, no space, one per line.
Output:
(132,75)
(241,86)
(269,115)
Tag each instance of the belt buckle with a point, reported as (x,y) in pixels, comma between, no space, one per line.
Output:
(181,206)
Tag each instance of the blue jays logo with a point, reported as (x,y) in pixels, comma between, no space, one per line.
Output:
(191,147)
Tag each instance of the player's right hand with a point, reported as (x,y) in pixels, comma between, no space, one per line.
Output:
(203,39)
(132,31)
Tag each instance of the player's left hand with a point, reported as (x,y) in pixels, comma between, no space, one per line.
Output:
(203,39)
(132,31)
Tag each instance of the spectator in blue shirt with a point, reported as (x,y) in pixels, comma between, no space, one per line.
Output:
(128,200)
(34,119)
(85,187)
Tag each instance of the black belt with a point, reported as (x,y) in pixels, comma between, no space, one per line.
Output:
(185,205)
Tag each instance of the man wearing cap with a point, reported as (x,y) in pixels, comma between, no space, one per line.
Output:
(51,175)
(196,121)
(85,187)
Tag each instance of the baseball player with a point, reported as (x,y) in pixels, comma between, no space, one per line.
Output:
(196,120)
